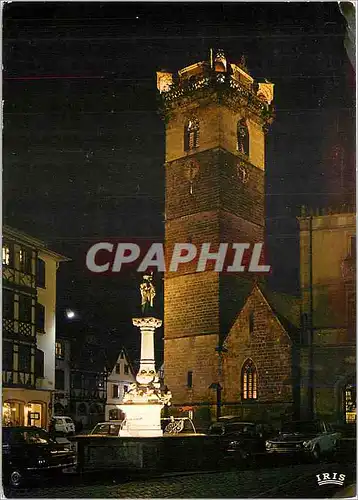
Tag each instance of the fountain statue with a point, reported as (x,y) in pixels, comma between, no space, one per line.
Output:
(143,402)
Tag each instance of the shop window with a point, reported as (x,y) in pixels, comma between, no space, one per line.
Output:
(25,308)
(249,380)
(41,273)
(12,413)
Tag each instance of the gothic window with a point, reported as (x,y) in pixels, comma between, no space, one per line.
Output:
(243,137)
(249,380)
(191,134)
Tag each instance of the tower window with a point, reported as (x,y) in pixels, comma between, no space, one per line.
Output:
(191,134)
(243,137)
(190,379)
(249,380)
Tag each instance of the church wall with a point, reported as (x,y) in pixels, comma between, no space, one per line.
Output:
(269,347)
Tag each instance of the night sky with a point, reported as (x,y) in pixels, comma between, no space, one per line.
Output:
(83,148)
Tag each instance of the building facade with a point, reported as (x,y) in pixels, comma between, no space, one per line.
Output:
(120,377)
(216,117)
(29,324)
(62,376)
(88,388)
(328,285)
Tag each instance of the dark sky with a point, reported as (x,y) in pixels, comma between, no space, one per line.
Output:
(83,147)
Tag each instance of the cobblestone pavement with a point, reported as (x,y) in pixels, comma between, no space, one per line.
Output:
(296,480)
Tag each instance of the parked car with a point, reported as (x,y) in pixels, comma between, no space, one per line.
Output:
(63,425)
(111,428)
(241,440)
(311,438)
(30,452)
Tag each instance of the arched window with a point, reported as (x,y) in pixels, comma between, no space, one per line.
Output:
(249,380)
(191,134)
(243,137)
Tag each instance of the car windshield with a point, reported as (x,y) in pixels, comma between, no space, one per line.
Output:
(107,429)
(32,436)
(68,420)
(310,427)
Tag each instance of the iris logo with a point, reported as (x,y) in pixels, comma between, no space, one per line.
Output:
(328,478)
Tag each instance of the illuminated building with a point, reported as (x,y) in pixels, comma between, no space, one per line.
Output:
(120,377)
(328,285)
(29,322)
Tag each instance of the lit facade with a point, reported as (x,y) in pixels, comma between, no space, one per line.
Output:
(29,321)
(119,379)
(328,286)
(216,118)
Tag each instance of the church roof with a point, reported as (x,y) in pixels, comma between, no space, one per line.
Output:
(286,307)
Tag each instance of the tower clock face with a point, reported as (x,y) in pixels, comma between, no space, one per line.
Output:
(191,169)
(242,173)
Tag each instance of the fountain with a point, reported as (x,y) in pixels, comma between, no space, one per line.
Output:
(143,402)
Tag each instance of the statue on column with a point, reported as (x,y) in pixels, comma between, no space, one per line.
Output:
(147,291)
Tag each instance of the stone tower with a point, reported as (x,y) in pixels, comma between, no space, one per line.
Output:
(216,116)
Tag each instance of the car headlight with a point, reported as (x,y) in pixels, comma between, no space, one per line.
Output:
(234,443)
(307,444)
(268,444)
(41,461)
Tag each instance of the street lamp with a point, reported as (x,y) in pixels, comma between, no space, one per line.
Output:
(218,387)
(70,314)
